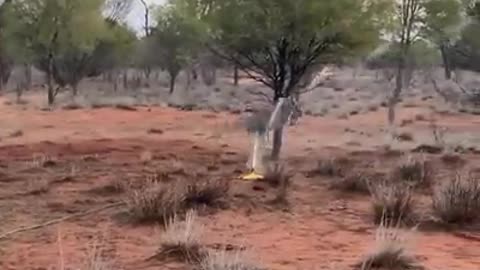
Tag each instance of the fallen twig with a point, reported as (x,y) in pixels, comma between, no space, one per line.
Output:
(58,220)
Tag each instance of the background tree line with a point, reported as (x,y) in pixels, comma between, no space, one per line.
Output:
(278,43)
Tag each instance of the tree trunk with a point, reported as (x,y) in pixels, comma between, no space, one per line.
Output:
(209,75)
(28,76)
(125,79)
(173,78)
(147,71)
(446,62)
(277,133)
(277,143)
(75,89)
(235,75)
(395,95)
(19,92)
(51,90)
(194,74)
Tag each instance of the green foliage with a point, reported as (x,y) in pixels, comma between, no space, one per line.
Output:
(70,35)
(466,51)
(443,19)
(175,41)
(421,54)
(114,49)
(36,26)
(280,39)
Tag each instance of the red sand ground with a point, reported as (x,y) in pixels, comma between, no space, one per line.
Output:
(323,229)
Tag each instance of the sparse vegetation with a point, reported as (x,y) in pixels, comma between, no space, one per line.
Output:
(225,260)
(38,186)
(353,182)
(96,260)
(158,110)
(332,167)
(158,202)
(277,177)
(391,251)
(392,203)
(146,156)
(16,133)
(209,193)
(181,239)
(452,159)
(405,136)
(416,171)
(458,200)
(154,202)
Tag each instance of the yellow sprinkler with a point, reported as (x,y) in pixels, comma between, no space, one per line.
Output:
(256,162)
(260,125)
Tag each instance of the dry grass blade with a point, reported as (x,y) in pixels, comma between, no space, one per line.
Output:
(330,167)
(392,203)
(225,260)
(181,239)
(154,202)
(355,182)
(96,260)
(415,171)
(205,193)
(157,201)
(458,200)
(390,252)
(277,177)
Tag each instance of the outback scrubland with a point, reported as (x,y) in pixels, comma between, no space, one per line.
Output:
(124,150)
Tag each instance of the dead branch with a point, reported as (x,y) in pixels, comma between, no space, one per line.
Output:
(59,220)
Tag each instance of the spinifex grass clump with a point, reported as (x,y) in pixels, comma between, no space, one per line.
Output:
(458,200)
(392,203)
(391,251)
(159,201)
(181,239)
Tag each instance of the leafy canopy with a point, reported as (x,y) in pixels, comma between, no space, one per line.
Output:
(176,39)
(34,27)
(276,41)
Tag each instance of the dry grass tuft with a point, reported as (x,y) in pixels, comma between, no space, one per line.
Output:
(458,200)
(153,202)
(209,193)
(181,239)
(452,159)
(16,134)
(277,177)
(405,137)
(416,171)
(332,167)
(95,257)
(391,252)
(354,182)
(159,201)
(37,186)
(392,203)
(225,260)
(146,156)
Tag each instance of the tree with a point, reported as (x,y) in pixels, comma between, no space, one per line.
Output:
(414,20)
(443,22)
(117,10)
(176,39)
(112,51)
(275,42)
(55,33)
(422,55)
(6,62)
(465,52)
(147,28)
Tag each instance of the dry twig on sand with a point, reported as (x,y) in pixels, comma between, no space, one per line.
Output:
(58,220)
